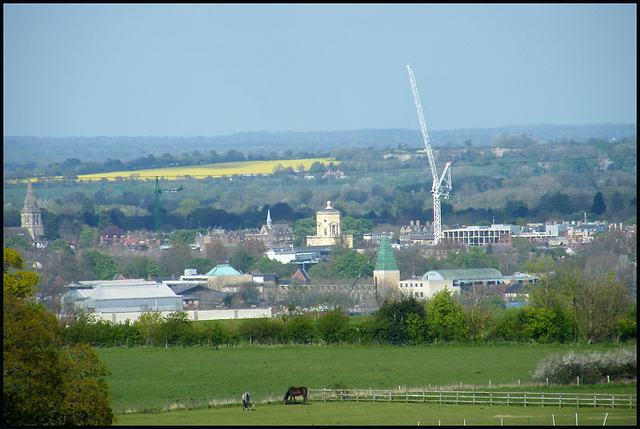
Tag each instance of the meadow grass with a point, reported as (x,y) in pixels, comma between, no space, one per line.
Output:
(380,413)
(213,170)
(155,378)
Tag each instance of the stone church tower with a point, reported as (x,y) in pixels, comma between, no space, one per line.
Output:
(32,215)
(386,274)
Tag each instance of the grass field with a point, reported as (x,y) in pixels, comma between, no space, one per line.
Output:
(213,170)
(158,378)
(364,413)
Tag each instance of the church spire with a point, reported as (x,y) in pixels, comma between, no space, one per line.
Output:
(269,218)
(31,214)
(30,199)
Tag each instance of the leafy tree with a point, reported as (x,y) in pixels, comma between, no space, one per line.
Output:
(16,281)
(177,329)
(301,329)
(545,293)
(185,236)
(334,326)
(321,270)
(149,325)
(351,265)
(102,265)
(217,252)
(17,242)
(58,244)
(11,217)
(187,206)
(241,260)
(316,168)
(88,237)
(43,382)
(140,267)
(104,220)
(598,207)
(203,265)
(304,227)
(445,318)
(601,304)
(175,260)
(401,320)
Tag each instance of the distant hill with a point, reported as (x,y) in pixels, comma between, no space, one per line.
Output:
(35,151)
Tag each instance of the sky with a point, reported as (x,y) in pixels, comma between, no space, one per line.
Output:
(169,70)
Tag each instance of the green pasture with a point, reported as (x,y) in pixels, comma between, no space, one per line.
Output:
(154,379)
(367,413)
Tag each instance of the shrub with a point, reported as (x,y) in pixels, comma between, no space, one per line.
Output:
(592,368)
(263,330)
(301,329)
(334,326)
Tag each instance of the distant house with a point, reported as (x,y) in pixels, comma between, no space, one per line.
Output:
(301,275)
(112,234)
(517,292)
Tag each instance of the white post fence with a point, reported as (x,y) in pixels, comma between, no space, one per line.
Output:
(477,397)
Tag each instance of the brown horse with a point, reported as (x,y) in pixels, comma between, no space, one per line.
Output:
(296,391)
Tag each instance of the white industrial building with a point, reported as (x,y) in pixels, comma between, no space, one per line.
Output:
(454,280)
(120,296)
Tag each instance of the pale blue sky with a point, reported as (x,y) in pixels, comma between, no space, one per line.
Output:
(211,70)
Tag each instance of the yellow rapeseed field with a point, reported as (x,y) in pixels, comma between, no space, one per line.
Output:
(209,170)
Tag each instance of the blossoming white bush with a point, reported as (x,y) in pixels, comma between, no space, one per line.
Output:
(592,368)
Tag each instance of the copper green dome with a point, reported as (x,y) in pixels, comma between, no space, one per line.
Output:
(386,259)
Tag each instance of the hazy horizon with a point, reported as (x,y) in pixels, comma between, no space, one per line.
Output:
(214,70)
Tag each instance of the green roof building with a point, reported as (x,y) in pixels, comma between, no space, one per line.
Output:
(386,275)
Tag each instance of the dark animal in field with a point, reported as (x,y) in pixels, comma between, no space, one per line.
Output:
(246,401)
(296,391)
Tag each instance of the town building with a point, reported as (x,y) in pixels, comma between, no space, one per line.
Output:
(329,229)
(224,276)
(416,234)
(272,233)
(454,280)
(481,235)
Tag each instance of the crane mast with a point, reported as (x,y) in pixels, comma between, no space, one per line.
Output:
(441,185)
(156,204)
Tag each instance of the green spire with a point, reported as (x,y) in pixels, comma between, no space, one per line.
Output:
(386,260)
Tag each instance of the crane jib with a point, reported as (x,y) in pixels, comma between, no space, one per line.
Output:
(437,187)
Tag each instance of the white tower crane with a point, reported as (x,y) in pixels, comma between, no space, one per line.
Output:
(441,185)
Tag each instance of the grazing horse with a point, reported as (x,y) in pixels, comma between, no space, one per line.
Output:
(246,401)
(296,391)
